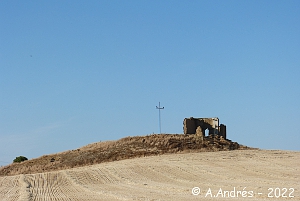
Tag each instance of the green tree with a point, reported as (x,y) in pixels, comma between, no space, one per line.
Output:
(20,159)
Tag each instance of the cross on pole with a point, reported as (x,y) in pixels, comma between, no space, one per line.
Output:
(159,108)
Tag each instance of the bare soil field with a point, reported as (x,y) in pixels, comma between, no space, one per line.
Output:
(222,175)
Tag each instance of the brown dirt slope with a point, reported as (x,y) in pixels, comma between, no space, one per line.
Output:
(125,148)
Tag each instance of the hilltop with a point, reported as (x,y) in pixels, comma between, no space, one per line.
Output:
(125,148)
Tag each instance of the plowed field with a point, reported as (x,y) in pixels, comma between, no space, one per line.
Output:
(220,175)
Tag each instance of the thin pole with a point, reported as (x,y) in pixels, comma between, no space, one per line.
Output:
(159,108)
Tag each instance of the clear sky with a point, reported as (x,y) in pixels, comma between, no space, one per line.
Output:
(78,72)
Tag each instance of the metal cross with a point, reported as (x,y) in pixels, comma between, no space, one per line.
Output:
(159,108)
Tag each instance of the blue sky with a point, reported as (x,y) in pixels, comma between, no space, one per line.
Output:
(78,72)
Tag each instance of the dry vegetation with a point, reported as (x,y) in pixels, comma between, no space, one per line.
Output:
(164,177)
(129,147)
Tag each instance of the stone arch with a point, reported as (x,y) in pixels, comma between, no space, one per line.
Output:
(211,124)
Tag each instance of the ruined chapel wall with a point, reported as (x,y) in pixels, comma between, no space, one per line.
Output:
(212,124)
(223,130)
(189,126)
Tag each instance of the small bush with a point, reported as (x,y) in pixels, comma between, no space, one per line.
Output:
(20,159)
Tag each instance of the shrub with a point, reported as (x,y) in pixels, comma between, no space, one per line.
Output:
(20,159)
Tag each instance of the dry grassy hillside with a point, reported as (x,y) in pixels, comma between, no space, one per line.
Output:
(167,177)
(129,147)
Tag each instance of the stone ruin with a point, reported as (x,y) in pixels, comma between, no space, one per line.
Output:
(198,126)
